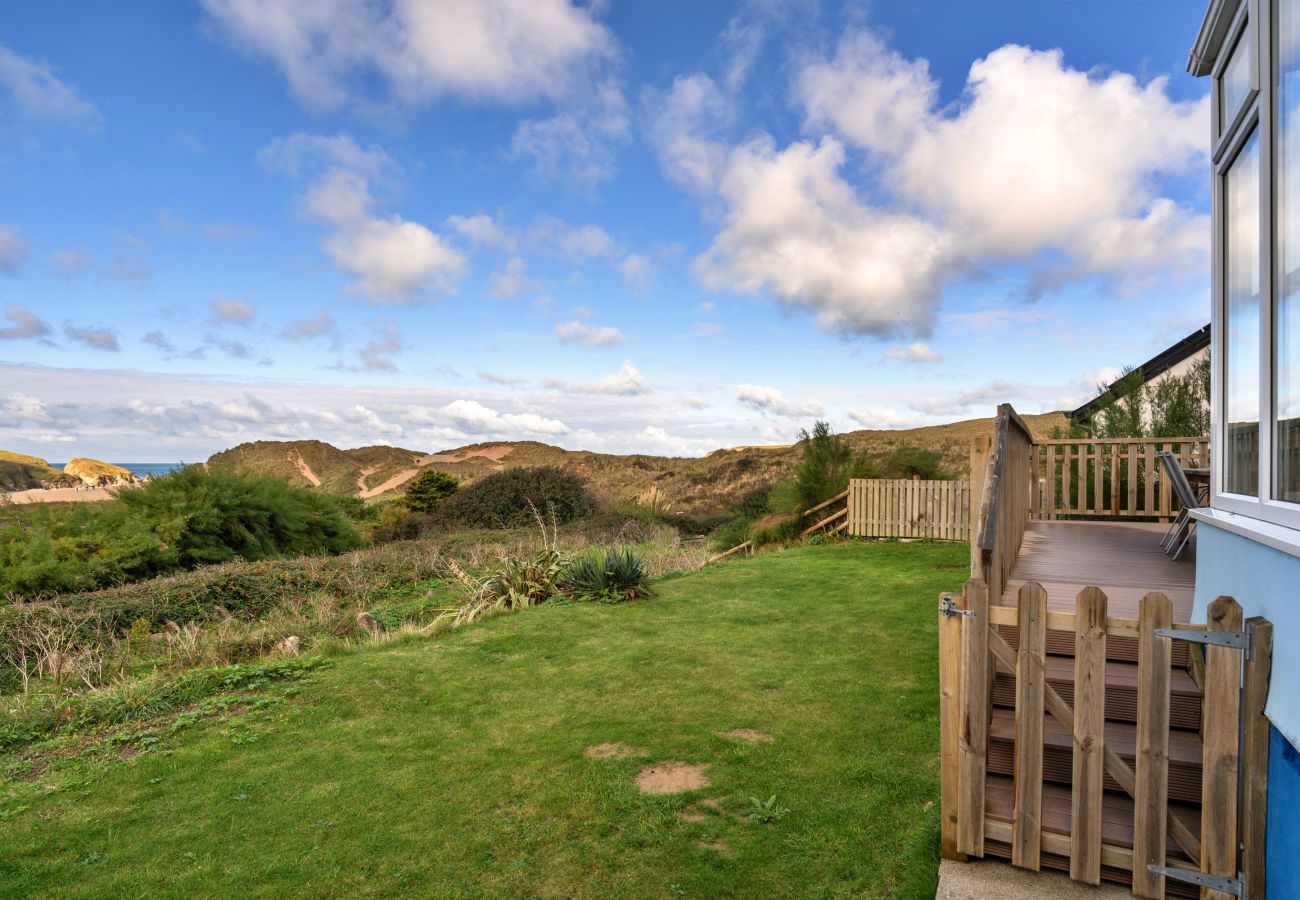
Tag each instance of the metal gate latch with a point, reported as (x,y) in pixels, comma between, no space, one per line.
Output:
(948,608)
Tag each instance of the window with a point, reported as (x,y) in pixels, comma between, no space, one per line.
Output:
(1286,435)
(1241,279)
(1234,83)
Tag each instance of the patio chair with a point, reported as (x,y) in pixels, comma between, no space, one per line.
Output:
(1180,532)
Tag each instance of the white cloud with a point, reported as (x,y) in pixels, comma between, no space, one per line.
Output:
(796,228)
(480,419)
(94,338)
(159,340)
(990,394)
(495,50)
(375,355)
(497,378)
(73,262)
(394,260)
(512,281)
(483,230)
(916,352)
(319,325)
(686,124)
(627,381)
(13,249)
(770,399)
(578,145)
(575,243)
(229,311)
(26,324)
(37,91)
(594,335)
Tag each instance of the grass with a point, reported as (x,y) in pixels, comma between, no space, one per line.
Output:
(456,766)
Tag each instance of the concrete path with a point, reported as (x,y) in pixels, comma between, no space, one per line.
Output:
(991,880)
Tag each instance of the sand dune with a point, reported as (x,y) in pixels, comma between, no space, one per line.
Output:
(63,495)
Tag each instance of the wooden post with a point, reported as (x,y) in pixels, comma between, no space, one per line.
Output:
(1089,727)
(1151,788)
(950,728)
(1031,678)
(976,712)
(1219,738)
(1254,753)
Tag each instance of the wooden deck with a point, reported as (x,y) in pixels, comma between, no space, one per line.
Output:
(1124,559)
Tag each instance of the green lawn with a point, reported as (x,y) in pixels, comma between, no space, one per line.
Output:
(455,765)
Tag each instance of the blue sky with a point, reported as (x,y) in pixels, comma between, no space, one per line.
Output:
(612,226)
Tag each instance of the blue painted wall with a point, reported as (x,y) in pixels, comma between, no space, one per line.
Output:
(1266,582)
(1283,862)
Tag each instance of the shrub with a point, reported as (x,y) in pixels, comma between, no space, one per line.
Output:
(825,468)
(507,499)
(213,517)
(914,462)
(515,582)
(616,576)
(775,529)
(429,489)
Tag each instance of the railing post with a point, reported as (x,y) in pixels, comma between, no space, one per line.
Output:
(950,656)
(1089,726)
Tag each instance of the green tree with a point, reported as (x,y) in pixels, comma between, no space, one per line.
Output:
(826,467)
(429,489)
(1122,415)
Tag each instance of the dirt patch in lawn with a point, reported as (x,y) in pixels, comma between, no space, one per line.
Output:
(672,778)
(752,735)
(692,815)
(715,846)
(612,751)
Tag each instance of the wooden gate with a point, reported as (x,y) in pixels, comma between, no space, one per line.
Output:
(909,508)
(1085,793)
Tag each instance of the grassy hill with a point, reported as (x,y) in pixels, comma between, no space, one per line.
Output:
(20,472)
(691,486)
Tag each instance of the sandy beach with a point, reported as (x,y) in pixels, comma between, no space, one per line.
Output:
(63,495)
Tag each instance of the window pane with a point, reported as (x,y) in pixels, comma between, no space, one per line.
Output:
(1234,84)
(1287,440)
(1241,344)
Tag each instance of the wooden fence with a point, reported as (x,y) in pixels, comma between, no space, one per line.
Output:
(1092,832)
(1004,493)
(1108,478)
(898,507)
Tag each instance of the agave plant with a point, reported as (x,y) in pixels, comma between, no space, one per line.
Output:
(613,577)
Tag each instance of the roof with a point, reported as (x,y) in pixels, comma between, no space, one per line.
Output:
(1153,368)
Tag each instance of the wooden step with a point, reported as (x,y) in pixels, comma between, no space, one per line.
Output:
(1121,691)
(1058,753)
(1116,827)
(1118,649)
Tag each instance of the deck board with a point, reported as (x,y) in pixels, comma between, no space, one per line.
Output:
(1124,559)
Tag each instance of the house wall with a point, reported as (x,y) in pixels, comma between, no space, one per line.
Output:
(1265,582)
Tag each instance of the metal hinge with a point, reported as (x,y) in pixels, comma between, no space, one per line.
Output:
(1239,640)
(1234,886)
(948,608)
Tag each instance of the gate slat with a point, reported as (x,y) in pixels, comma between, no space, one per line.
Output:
(1219,737)
(950,729)
(1254,752)
(1089,724)
(975,716)
(1026,840)
(1151,786)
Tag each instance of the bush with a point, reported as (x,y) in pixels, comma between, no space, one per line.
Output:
(616,576)
(429,489)
(508,499)
(914,462)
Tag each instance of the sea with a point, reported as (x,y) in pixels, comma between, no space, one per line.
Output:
(141,470)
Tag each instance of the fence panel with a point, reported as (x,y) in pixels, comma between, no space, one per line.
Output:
(898,507)
(1109,478)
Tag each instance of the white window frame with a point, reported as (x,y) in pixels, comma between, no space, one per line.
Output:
(1252,23)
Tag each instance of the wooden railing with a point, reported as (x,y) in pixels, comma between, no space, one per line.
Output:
(1000,481)
(1229,837)
(909,508)
(1109,478)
